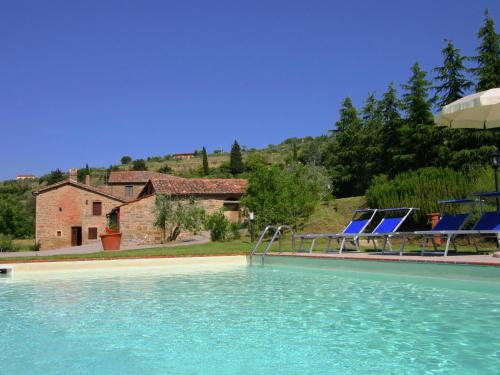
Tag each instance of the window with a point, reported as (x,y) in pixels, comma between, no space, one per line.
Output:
(129,191)
(58,233)
(92,233)
(97,208)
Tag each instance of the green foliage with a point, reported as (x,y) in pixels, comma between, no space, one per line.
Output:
(219,226)
(347,152)
(139,165)
(236,160)
(281,196)
(451,76)
(6,243)
(173,215)
(206,169)
(416,98)
(17,209)
(82,172)
(126,159)
(53,177)
(165,168)
(488,58)
(423,188)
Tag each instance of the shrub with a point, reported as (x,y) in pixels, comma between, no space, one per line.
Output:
(424,187)
(36,246)
(219,226)
(6,243)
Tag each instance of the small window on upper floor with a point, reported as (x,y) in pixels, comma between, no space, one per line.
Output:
(97,208)
(129,191)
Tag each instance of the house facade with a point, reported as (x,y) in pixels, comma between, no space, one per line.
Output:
(69,213)
(136,219)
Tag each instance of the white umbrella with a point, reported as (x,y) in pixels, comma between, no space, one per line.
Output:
(478,111)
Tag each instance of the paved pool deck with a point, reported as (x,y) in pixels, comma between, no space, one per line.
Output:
(484,260)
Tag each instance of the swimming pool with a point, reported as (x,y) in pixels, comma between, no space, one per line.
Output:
(276,319)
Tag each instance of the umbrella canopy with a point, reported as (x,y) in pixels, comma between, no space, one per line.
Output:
(477,111)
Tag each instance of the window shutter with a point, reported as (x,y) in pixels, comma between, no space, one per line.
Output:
(97,208)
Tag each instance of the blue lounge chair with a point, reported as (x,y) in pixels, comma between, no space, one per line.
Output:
(388,227)
(361,218)
(447,226)
(487,225)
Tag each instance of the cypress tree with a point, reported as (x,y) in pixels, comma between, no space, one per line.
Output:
(236,160)
(416,99)
(453,82)
(206,170)
(488,58)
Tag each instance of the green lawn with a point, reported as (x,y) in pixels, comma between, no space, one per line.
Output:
(213,248)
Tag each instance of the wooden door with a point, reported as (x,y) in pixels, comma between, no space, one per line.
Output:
(76,236)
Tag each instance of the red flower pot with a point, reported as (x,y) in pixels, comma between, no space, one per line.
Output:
(111,241)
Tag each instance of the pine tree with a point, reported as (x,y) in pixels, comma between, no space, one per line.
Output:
(488,58)
(236,160)
(453,82)
(347,154)
(390,107)
(416,99)
(206,169)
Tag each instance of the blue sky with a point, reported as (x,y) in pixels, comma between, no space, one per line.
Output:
(91,81)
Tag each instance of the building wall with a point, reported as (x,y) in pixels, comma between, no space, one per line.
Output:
(137,219)
(119,190)
(65,207)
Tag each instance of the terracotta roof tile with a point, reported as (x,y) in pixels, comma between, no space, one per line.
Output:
(200,186)
(81,186)
(136,176)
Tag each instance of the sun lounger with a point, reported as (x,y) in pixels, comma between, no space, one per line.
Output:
(447,227)
(360,220)
(387,228)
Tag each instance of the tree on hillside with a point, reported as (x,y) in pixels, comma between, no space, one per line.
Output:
(451,76)
(165,168)
(371,116)
(390,112)
(346,153)
(281,196)
(236,160)
(416,100)
(488,58)
(126,160)
(206,169)
(54,177)
(139,165)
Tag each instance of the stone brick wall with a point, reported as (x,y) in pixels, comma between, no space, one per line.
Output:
(137,219)
(119,190)
(68,206)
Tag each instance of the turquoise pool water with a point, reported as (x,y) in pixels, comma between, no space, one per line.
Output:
(249,320)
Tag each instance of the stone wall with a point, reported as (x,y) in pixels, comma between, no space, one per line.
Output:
(137,219)
(67,206)
(119,190)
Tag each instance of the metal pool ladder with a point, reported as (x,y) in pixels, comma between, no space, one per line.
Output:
(278,234)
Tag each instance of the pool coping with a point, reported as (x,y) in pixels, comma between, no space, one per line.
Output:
(70,259)
(136,263)
(462,259)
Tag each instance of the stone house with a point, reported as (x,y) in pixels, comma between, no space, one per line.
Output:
(136,218)
(128,184)
(69,213)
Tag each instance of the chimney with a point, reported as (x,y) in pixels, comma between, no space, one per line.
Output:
(73,174)
(87,180)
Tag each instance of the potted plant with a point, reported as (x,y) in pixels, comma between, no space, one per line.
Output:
(111,238)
